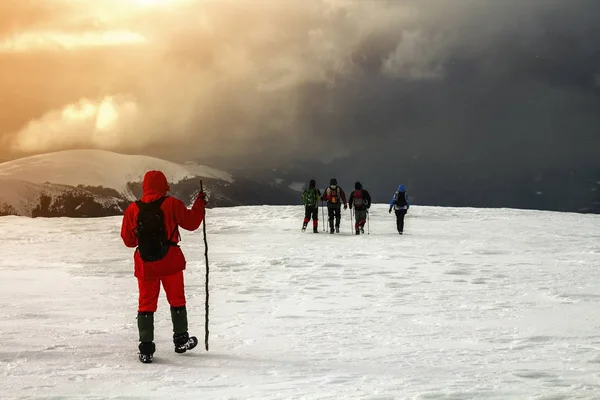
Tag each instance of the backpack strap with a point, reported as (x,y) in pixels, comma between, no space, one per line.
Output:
(169,239)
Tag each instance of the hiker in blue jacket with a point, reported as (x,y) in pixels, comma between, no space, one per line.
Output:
(400,204)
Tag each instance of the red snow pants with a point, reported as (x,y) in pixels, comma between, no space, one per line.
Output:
(149,289)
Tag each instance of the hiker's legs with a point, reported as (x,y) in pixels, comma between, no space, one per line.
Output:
(149,290)
(307,215)
(315,217)
(338,216)
(361,218)
(400,220)
(331,215)
(175,291)
(148,301)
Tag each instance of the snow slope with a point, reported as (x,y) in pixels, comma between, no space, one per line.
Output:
(100,168)
(25,196)
(469,304)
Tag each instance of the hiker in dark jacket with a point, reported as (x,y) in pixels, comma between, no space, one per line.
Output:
(310,198)
(401,205)
(335,197)
(361,200)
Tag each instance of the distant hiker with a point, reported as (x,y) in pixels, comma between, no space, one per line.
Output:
(334,196)
(151,224)
(401,205)
(310,198)
(361,200)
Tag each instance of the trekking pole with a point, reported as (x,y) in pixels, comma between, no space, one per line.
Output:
(368,222)
(351,217)
(207,270)
(323,215)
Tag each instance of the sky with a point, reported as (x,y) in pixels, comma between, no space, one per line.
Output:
(495,85)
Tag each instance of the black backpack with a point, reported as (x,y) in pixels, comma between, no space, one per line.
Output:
(153,243)
(401,199)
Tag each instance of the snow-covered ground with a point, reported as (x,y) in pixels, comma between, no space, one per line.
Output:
(469,304)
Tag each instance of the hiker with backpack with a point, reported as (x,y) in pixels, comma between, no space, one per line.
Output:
(335,197)
(361,200)
(400,204)
(310,197)
(152,224)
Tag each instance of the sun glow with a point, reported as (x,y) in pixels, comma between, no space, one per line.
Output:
(103,115)
(109,17)
(66,41)
(102,123)
(149,3)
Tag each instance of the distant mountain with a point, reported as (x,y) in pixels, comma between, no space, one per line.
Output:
(95,183)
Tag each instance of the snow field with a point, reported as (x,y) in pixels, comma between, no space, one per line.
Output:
(469,304)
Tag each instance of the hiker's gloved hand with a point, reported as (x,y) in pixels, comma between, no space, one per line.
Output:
(202,197)
(390,210)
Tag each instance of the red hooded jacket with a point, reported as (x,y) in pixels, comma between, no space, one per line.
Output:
(176,215)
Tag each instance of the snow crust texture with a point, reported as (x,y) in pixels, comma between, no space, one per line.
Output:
(468,304)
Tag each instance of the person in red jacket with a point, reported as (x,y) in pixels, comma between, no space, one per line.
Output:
(166,268)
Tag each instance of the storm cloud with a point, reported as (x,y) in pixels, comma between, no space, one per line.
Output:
(492,85)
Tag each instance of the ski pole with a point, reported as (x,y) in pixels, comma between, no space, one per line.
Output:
(206,281)
(323,215)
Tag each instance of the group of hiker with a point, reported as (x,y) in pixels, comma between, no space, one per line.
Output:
(151,226)
(359,202)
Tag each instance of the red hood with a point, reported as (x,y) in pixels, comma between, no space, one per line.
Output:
(154,186)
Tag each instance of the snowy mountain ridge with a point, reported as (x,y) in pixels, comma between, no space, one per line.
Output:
(101,168)
(95,183)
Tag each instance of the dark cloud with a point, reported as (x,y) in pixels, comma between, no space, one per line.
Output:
(479,84)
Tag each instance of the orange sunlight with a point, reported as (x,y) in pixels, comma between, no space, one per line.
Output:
(147,3)
(110,16)
(87,121)
(56,40)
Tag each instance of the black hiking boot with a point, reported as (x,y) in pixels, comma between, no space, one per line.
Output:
(337,229)
(184,342)
(362,229)
(146,353)
(315,229)
(357,232)
(303,227)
